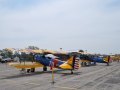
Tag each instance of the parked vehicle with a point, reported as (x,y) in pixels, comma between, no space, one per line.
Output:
(0,58)
(4,60)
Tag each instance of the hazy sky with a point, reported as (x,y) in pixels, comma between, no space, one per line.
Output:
(92,25)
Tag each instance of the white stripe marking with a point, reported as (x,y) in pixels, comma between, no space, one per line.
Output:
(65,87)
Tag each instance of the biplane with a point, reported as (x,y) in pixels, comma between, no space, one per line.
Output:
(95,59)
(42,61)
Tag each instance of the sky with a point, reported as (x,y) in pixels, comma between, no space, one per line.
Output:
(92,25)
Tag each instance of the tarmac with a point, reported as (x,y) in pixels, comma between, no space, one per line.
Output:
(99,77)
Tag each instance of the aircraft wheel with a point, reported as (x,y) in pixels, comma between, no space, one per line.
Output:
(44,68)
(28,70)
(32,69)
(85,63)
(82,64)
(71,71)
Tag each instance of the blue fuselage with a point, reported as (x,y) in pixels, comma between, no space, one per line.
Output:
(98,59)
(46,61)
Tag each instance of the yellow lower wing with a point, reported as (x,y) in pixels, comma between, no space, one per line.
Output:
(25,65)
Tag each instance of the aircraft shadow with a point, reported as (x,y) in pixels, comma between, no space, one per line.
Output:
(41,72)
(67,72)
(22,75)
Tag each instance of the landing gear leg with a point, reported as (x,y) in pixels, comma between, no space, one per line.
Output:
(23,71)
(94,63)
(82,64)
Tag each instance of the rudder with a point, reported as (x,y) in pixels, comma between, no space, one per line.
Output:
(74,61)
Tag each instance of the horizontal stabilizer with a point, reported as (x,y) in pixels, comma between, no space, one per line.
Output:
(66,66)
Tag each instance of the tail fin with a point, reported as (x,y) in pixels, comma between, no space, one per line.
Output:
(108,59)
(74,62)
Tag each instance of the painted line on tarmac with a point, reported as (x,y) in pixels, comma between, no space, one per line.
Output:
(65,87)
(7,70)
(16,82)
(32,83)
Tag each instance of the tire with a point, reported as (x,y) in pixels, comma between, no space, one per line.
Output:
(85,64)
(2,61)
(71,72)
(28,70)
(44,68)
(32,69)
